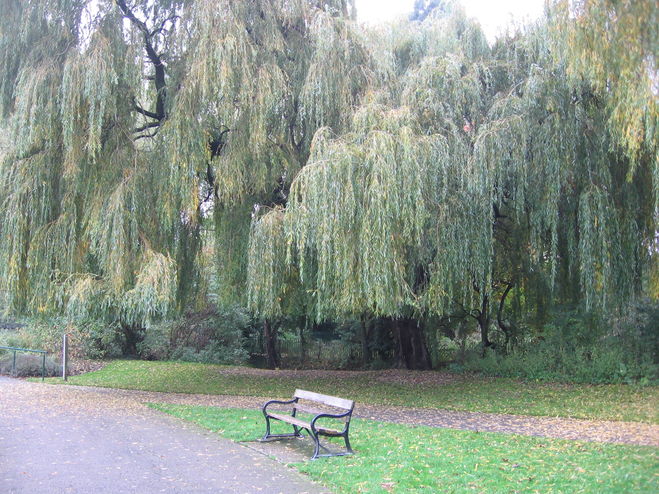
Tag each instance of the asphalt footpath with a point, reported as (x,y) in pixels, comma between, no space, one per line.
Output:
(60,439)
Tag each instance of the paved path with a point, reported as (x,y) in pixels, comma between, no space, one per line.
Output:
(60,439)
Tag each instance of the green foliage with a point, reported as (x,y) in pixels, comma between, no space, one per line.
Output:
(107,179)
(86,339)
(266,271)
(100,340)
(400,171)
(475,169)
(614,44)
(575,347)
(37,334)
(403,458)
(215,336)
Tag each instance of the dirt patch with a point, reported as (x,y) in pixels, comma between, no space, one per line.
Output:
(276,373)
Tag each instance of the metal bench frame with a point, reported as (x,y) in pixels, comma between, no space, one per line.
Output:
(314,430)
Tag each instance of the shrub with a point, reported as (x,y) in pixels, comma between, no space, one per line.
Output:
(155,344)
(578,348)
(213,336)
(87,339)
(99,340)
(38,334)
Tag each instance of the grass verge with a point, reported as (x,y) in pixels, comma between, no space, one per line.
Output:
(399,458)
(473,393)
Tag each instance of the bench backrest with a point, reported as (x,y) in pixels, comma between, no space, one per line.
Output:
(332,401)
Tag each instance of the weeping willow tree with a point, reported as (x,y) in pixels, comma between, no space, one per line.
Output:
(406,172)
(361,223)
(132,120)
(80,224)
(467,175)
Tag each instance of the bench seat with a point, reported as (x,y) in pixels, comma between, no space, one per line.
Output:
(301,423)
(317,407)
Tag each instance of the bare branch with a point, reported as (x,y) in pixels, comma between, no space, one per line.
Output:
(154,58)
(144,112)
(150,125)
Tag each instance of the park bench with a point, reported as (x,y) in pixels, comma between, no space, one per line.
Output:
(313,412)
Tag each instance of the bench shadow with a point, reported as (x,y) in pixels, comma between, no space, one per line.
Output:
(288,450)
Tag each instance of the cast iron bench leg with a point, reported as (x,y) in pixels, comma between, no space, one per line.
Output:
(267,428)
(348,448)
(316,448)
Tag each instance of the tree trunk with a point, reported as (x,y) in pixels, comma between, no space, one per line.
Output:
(507,329)
(400,339)
(132,336)
(364,337)
(270,343)
(484,323)
(303,341)
(412,350)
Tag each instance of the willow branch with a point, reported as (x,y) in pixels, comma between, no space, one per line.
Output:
(150,125)
(144,112)
(154,58)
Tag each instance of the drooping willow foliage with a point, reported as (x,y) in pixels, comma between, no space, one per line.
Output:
(470,172)
(405,171)
(260,78)
(130,120)
(615,45)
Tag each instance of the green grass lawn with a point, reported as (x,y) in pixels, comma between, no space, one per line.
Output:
(400,458)
(474,393)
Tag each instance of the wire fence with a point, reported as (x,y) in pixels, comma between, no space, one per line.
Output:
(15,350)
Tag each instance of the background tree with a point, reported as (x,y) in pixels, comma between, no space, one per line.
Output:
(130,120)
(614,45)
(471,175)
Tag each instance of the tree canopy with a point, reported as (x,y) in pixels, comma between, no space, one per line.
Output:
(120,114)
(406,171)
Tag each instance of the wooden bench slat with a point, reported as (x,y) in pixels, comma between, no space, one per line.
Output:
(304,407)
(290,419)
(315,411)
(300,423)
(326,399)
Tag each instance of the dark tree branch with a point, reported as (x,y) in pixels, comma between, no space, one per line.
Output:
(217,143)
(144,112)
(144,136)
(497,211)
(150,125)
(154,58)
(161,28)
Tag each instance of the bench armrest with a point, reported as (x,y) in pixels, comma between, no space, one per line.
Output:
(331,416)
(277,402)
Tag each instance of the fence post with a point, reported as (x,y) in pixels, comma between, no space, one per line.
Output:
(43,366)
(65,356)
(13,366)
